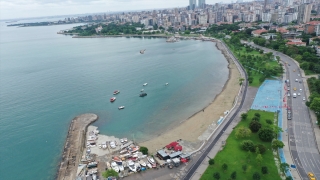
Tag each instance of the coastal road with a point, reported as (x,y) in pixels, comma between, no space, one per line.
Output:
(303,147)
(219,132)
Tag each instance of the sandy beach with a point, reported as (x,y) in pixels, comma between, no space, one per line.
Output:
(196,125)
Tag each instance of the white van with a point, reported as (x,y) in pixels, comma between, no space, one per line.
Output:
(294,95)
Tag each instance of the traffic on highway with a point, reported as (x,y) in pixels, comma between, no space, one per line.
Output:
(303,147)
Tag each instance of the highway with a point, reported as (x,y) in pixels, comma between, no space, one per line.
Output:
(303,147)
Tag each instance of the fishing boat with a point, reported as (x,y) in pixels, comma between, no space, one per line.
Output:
(141,90)
(121,107)
(116,92)
(113,99)
(143,94)
(145,84)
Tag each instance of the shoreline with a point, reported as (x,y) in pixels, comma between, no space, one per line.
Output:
(199,122)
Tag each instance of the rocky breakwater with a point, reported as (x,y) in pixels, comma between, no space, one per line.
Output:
(74,145)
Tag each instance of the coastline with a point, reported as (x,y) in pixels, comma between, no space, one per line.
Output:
(196,125)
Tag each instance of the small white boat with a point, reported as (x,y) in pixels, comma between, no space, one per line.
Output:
(121,168)
(125,139)
(151,160)
(167,84)
(132,166)
(121,107)
(145,84)
(115,166)
(142,163)
(123,151)
(121,140)
(141,90)
(149,165)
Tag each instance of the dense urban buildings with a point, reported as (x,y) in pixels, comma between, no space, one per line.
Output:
(198,14)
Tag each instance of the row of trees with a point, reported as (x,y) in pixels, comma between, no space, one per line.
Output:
(306,56)
(314,98)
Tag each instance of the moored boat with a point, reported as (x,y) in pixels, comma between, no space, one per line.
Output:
(121,107)
(113,99)
(116,92)
(151,160)
(145,84)
(143,94)
(132,166)
(149,165)
(142,163)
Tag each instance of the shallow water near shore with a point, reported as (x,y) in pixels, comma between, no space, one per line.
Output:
(47,79)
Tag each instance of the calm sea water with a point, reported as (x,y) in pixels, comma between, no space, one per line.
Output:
(46,79)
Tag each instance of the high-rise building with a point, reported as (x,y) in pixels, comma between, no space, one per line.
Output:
(192,4)
(304,12)
(202,4)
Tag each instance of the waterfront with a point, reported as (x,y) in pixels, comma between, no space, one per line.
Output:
(47,79)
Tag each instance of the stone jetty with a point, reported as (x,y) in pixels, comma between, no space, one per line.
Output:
(74,146)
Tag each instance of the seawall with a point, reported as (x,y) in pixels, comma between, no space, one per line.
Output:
(74,145)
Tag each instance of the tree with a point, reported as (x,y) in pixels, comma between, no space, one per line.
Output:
(256,176)
(266,134)
(110,173)
(264,170)
(242,132)
(315,104)
(255,126)
(269,121)
(277,144)
(211,161)
(262,148)
(289,178)
(247,145)
(284,167)
(216,175)
(187,32)
(233,175)
(259,158)
(257,114)
(244,116)
(244,168)
(255,118)
(257,150)
(224,166)
(144,150)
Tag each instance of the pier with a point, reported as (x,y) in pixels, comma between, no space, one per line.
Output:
(74,145)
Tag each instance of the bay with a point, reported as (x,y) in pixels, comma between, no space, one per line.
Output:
(47,79)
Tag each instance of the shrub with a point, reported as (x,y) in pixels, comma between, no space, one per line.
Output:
(144,150)
(216,175)
(244,116)
(269,121)
(110,173)
(242,132)
(266,134)
(262,148)
(211,161)
(257,114)
(256,176)
(224,166)
(255,118)
(255,126)
(247,145)
(264,170)
(233,175)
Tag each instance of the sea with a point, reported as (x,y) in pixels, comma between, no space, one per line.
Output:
(46,79)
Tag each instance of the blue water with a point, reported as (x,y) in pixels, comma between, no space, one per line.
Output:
(47,79)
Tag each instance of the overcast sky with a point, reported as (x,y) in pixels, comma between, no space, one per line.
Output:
(10,9)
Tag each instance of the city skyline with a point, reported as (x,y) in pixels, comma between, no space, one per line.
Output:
(13,9)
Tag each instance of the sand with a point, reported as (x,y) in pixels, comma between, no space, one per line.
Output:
(196,125)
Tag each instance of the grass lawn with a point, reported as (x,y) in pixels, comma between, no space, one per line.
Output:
(309,72)
(256,82)
(235,157)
